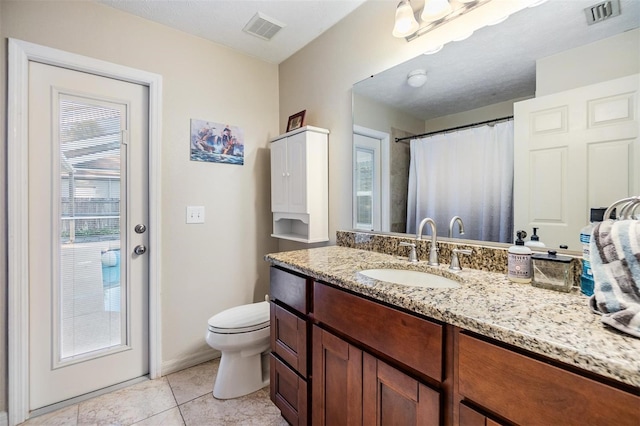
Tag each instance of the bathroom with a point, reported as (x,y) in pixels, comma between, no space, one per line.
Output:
(209,267)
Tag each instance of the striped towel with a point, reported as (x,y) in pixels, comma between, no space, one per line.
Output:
(615,262)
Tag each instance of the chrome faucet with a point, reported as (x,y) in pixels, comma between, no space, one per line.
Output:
(455,262)
(413,257)
(433,249)
(460,225)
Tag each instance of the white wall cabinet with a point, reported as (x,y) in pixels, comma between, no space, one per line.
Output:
(300,185)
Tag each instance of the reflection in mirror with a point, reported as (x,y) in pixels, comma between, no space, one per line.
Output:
(536,52)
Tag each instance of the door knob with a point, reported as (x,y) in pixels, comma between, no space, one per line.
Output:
(140,249)
(140,228)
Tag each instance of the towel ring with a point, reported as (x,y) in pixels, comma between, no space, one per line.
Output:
(630,204)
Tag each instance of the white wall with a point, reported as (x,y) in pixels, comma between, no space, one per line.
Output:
(205,268)
(603,60)
(319,77)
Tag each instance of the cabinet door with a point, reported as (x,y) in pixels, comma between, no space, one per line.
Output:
(297,169)
(279,177)
(390,397)
(289,393)
(471,417)
(337,381)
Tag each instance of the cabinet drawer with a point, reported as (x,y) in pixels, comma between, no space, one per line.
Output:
(291,290)
(412,341)
(289,393)
(527,391)
(289,338)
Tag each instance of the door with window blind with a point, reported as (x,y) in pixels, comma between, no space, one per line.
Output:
(88,210)
(367,208)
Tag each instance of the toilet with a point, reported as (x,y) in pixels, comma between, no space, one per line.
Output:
(241,334)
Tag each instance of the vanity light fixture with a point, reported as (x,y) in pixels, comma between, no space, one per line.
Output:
(439,12)
(434,14)
(406,23)
(417,78)
(435,9)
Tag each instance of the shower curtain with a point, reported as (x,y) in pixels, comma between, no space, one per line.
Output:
(467,173)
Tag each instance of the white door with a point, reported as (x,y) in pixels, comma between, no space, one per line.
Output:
(367,206)
(575,150)
(88,191)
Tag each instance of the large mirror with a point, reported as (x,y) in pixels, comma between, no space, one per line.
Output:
(470,81)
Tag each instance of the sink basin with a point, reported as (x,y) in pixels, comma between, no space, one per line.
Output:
(412,278)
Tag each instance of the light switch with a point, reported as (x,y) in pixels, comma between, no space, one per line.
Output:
(195,214)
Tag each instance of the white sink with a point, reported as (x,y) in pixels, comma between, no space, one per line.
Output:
(413,278)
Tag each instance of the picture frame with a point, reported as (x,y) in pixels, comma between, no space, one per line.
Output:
(296,121)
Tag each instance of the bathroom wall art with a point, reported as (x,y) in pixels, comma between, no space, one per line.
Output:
(216,142)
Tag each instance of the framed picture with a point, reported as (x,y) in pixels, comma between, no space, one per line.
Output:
(296,121)
(216,142)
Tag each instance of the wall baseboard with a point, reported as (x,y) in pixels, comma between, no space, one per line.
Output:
(190,360)
(4,418)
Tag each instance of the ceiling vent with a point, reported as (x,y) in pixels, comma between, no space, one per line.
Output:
(601,11)
(262,26)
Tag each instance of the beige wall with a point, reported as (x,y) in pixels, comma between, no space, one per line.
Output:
(374,115)
(604,60)
(319,77)
(205,268)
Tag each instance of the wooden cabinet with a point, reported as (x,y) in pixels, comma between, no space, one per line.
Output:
(527,391)
(407,339)
(339,358)
(290,304)
(353,387)
(356,386)
(472,417)
(337,380)
(391,397)
(300,185)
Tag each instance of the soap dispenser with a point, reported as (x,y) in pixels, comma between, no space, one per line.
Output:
(535,240)
(519,260)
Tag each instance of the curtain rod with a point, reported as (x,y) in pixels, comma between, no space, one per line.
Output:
(466,126)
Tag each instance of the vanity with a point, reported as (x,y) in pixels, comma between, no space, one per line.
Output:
(349,349)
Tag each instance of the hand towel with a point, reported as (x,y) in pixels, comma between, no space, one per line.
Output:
(615,263)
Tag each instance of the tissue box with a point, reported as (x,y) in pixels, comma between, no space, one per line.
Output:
(552,272)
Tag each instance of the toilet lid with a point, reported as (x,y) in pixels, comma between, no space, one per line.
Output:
(241,319)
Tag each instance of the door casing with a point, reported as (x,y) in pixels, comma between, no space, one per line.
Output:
(20,53)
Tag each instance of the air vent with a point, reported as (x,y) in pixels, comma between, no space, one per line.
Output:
(601,11)
(262,26)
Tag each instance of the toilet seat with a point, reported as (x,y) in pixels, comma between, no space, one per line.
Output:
(241,319)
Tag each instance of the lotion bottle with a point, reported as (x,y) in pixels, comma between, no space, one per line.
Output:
(519,261)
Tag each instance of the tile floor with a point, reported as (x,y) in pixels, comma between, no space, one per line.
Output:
(183,398)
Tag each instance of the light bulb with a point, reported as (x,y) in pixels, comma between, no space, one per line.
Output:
(406,23)
(435,9)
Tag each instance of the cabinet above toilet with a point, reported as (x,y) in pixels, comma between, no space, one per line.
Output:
(300,185)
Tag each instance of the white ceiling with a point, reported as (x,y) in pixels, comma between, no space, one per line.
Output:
(222,21)
(497,63)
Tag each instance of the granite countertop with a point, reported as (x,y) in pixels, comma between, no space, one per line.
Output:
(558,325)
